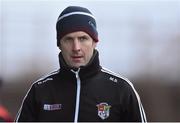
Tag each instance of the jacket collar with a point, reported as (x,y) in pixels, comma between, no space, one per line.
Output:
(85,71)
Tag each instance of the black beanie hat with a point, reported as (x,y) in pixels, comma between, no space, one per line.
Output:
(75,18)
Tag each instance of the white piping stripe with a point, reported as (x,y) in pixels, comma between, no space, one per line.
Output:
(143,113)
(19,112)
(143,116)
(75,13)
(51,73)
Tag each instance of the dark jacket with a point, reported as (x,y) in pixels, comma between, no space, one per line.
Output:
(90,93)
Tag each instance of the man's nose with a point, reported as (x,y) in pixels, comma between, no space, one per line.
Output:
(76,45)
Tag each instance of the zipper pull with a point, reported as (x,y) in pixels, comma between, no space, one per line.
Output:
(76,72)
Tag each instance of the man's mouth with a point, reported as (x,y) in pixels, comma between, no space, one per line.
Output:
(76,58)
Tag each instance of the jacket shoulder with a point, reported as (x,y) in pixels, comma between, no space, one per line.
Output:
(118,79)
(123,82)
(46,78)
(114,76)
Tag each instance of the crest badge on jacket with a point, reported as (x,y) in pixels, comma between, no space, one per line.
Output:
(103,110)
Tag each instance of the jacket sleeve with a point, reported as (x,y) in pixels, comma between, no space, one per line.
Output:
(28,110)
(133,106)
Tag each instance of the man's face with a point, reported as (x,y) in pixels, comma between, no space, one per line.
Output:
(77,48)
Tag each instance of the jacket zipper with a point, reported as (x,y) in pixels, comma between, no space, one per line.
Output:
(77,94)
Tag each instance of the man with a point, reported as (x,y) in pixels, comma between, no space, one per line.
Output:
(81,90)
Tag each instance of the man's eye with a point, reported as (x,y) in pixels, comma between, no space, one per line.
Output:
(83,38)
(68,39)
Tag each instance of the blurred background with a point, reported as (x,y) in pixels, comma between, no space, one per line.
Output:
(139,39)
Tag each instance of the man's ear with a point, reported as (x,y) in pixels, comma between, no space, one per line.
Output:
(94,44)
(59,47)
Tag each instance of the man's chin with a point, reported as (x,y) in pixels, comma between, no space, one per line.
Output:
(77,65)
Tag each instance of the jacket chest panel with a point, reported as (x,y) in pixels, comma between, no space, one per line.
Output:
(57,103)
(96,105)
